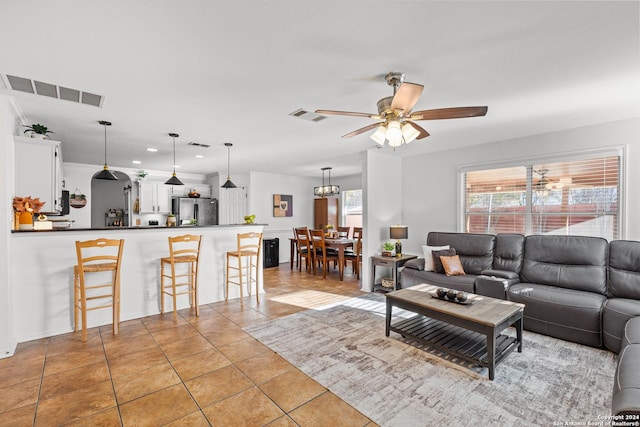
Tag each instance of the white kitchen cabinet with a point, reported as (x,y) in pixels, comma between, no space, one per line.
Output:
(38,171)
(154,197)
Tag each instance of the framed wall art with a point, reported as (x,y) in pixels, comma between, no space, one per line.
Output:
(282,205)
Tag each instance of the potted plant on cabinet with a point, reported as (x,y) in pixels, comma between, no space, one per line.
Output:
(38,131)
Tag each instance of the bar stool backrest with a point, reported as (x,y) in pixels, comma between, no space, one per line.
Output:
(184,248)
(100,253)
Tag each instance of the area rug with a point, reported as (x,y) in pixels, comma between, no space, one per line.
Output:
(395,382)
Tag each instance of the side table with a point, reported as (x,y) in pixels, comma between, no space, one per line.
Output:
(394,262)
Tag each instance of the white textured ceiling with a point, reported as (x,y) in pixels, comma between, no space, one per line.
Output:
(231,71)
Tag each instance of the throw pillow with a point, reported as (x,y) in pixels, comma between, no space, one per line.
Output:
(452,265)
(428,257)
(437,264)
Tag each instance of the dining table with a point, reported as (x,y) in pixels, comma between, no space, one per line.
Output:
(340,244)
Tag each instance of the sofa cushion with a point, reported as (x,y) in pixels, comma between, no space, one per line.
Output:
(428,255)
(616,314)
(624,269)
(415,264)
(437,262)
(631,332)
(572,262)
(509,252)
(626,383)
(568,314)
(452,265)
(475,250)
(415,277)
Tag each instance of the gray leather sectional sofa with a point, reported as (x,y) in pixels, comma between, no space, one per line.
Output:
(581,289)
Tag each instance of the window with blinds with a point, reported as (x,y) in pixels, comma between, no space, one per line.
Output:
(580,197)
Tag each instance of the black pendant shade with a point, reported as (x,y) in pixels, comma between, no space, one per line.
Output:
(105,173)
(174,179)
(228,184)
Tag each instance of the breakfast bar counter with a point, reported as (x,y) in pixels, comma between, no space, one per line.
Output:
(41,278)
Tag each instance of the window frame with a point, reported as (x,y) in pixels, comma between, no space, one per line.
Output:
(527,162)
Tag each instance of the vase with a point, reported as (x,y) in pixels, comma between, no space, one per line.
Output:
(25,220)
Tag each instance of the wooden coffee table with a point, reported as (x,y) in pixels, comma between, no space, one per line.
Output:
(471,332)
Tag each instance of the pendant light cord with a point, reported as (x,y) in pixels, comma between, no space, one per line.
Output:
(174,155)
(105,144)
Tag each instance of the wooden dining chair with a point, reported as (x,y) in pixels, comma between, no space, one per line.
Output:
(344,232)
(95,256)
(321,254)
(355,255)
(305,249)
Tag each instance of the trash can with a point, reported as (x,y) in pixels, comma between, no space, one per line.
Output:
(271,251)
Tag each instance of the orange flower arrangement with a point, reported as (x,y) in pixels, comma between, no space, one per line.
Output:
(27,204)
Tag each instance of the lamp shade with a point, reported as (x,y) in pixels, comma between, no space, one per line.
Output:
(398,232)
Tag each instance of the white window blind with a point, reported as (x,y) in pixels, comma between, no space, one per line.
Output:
(578,197)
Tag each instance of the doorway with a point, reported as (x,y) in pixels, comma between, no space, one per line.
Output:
(111,201)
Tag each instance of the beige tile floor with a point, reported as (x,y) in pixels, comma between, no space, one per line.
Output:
(198,371)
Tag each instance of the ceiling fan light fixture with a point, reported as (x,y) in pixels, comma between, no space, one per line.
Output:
(394,143)
(380,135)
(393,131)
(409,133)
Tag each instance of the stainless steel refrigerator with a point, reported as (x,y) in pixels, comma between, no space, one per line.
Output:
(203,210)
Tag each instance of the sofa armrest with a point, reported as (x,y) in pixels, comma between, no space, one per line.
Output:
(415,264)
(502,274)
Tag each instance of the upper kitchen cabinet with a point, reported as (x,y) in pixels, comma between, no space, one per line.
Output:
(38,169)
(154,197)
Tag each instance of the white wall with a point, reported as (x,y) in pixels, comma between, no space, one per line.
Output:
(263,187)
(8,125)
(382,201)
(430,187)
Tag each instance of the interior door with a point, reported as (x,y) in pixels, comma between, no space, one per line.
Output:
(236,202)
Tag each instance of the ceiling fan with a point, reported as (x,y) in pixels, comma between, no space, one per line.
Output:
(398,121)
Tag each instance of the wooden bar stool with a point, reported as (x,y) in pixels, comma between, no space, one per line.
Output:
(182,250)
(249,247)
(94,256)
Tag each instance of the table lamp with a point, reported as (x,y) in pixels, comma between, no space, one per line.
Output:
(398,232)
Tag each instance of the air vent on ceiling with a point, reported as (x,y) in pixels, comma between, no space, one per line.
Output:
(197,144)
(53,91)
(307,115)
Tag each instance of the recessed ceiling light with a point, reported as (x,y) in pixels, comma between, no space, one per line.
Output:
(199,156)
(153,150)
(136,162)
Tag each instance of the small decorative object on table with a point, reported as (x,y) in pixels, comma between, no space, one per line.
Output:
(388,249)
(452,295)
(171,220)
(249,219)
(24,208)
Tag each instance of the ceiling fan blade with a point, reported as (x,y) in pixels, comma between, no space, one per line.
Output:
(345,113)
(361,130)
(423,132)
(448,113)
(406,97)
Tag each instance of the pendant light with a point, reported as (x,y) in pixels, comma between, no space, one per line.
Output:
(174,179)
(105,173)
(228,183)
(326,190)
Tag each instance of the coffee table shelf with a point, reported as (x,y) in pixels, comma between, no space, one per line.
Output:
(471,332)
(457,341)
